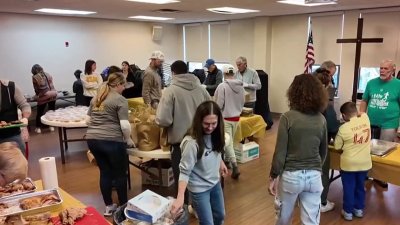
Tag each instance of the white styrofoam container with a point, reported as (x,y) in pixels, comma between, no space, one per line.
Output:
(166,174)
(147,206)
(247,152)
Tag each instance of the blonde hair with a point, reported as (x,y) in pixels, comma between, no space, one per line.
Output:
(113,80)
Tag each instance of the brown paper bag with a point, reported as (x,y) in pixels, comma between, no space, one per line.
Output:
(13,164)
(164,140)
(148,136)
(134,135)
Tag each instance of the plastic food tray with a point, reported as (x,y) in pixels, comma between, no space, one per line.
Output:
(14,125)
(21,192)
(382,148)
(13,203)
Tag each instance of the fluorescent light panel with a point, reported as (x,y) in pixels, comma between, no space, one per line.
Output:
(231,10)
(154,1)
(302,3)
(64,11)
(150,18)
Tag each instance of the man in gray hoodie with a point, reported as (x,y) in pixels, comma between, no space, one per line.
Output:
(176,110)
(230,98)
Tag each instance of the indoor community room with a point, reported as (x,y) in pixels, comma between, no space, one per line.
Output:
(183,112)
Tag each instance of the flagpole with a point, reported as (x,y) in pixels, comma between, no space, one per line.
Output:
(309,49)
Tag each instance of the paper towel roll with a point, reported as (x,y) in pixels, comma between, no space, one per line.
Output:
(48,171)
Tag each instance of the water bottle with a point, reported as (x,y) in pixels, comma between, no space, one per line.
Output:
(277,206)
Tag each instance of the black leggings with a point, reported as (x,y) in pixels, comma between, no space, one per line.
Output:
(41,109)
(112,160)
(176,155)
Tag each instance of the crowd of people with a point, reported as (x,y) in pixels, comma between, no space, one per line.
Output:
(197,116)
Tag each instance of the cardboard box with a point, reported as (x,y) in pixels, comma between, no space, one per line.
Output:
(247,152)
(147,206)
(166,174)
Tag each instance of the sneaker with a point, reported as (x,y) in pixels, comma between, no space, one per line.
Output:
(38,130)
(347,216)
(328,207)
(359,213)
(235,172)
(110,209)
(51,129)
(383,184)
(192,211)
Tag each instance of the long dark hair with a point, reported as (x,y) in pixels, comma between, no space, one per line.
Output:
(196,131)
(88,66)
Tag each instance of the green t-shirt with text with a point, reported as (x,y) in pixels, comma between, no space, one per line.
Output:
(383,99)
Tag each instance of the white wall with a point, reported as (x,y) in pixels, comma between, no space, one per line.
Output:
(29,39)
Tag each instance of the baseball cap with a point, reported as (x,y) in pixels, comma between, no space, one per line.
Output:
(229,69)
(157,55)
(209,62)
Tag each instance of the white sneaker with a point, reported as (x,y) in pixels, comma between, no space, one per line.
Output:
(38,130)
(192,211)
(328,207)
(52,129)
(110,209)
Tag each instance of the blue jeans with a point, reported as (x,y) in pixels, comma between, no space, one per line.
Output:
(112,160)
(209,205)
(17,139)
(353,190)
(305,185)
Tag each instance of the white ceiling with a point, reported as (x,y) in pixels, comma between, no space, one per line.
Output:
(192,10)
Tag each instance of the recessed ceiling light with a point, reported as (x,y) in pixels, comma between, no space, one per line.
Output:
(155,1)
(64,11)
(150,18)
(309,3)
(230,10)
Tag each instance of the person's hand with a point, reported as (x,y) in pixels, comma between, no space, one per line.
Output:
(24,121)
(129,84)
(130,143)
(222,169)
(51,94)
(176,206)
(273,186)
(154,105)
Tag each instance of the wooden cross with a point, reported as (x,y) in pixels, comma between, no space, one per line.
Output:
(359,40)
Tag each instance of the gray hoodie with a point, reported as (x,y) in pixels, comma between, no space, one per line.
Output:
(230,97)
(178,105)
(200,174)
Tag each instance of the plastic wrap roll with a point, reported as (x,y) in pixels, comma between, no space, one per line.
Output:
(48,171)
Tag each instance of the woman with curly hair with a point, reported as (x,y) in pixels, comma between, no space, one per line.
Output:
(300,151)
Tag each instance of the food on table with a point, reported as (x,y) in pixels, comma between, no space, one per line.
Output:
(38,201)
(39,219)
(70,215)
(68,114)
(16,187)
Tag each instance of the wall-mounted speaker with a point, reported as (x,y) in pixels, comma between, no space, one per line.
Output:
(157,33)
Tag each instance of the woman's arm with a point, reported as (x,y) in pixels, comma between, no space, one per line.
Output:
(178,203)
(278,161)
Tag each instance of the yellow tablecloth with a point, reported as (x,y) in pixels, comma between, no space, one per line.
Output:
(68,200)
(250,126)
(385,168)
(136,102)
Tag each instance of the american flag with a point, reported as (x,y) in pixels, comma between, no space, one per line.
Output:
(309,54)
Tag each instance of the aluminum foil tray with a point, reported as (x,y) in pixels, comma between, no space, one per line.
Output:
(11,205)
(21,192)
